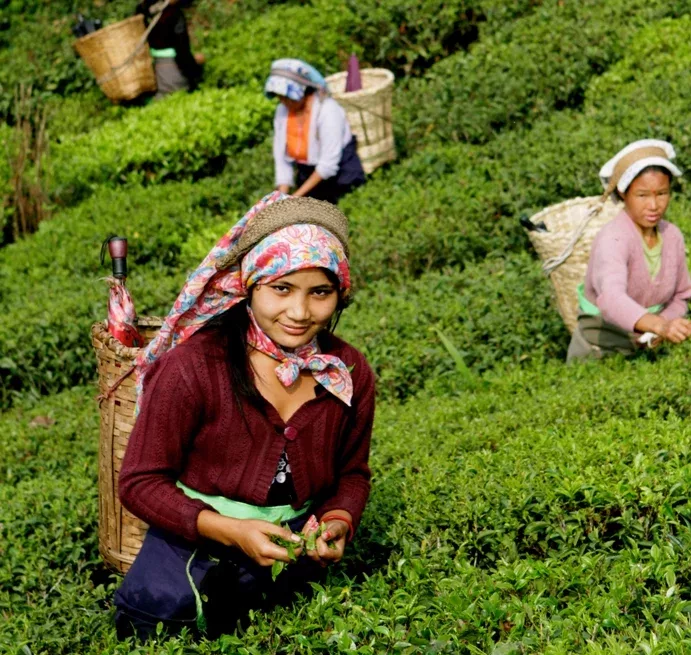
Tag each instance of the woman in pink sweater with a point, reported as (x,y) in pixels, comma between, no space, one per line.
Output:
(637,280)
(252,441)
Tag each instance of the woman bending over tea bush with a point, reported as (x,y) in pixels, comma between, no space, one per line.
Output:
(637,280)
(252,414)
(311,134)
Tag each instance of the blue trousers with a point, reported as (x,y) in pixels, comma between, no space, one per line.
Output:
(157,589)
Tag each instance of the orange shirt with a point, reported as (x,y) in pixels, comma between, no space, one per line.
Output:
(297,132)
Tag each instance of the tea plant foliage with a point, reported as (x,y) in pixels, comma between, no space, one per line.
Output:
(518,506)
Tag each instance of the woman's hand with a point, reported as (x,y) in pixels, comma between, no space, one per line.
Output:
(312,181)
(252,537)
(284,188)
(676,330)
(330,545)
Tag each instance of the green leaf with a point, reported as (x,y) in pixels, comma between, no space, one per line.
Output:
(276,569)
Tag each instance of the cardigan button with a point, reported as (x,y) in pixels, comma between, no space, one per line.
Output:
(290,433)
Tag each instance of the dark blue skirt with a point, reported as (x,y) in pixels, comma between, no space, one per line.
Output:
(157,588)
(350,176)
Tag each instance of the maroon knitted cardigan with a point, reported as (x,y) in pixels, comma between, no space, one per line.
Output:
(190,428)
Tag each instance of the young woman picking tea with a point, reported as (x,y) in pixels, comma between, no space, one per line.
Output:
(253,414)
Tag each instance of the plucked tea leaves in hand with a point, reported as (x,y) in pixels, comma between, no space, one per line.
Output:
(307,542)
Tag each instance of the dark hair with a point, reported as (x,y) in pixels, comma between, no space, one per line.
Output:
(648,169)
(232,326)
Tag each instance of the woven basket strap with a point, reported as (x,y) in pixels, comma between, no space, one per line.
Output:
(364,127)
(115,71)
(386,119)
(551,264)
(111,390)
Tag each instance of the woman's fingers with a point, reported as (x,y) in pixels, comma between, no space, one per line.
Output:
(272,551)
(259,544)
(283,533)
(335,530)
(331,544)
(678,330)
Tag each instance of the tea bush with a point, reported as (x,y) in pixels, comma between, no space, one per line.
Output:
(523,71)
(496,312)
(542,513)
(80,113)
(404,37)
(184,137)
(36,41)
(243,52)
(456,204)
(408,36)
(657,52)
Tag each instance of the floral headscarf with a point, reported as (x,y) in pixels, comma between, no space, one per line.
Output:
(209,292)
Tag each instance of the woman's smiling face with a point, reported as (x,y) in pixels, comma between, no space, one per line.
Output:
(293,309)
(647,198)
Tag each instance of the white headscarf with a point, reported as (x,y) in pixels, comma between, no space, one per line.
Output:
(622,169)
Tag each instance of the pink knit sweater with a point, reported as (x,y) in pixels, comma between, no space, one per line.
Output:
(619,283)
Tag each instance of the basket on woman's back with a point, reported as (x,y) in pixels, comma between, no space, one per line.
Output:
(120,533)
(118,56)
(564,247)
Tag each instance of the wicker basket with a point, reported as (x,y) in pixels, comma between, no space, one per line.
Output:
(120,534)
(562,220)
(119,58)
(369,114)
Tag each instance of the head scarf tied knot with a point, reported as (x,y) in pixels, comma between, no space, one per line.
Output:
(221,281)
(327,370)
(291,78)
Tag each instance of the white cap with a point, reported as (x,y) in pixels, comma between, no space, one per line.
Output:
(653,152)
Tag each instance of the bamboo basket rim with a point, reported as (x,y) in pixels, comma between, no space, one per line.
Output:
(98,34)
(563,205)
(100,330)
(364,92)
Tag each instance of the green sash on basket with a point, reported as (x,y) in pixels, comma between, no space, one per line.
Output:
(586,307)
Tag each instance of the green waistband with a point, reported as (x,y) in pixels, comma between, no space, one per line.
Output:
(237,510)
(586,307)
(163,53)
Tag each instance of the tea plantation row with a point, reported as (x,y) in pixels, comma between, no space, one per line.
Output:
(200,131)
(467,96)
(525,70)
(448,206)
(541,513)
(404,36)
